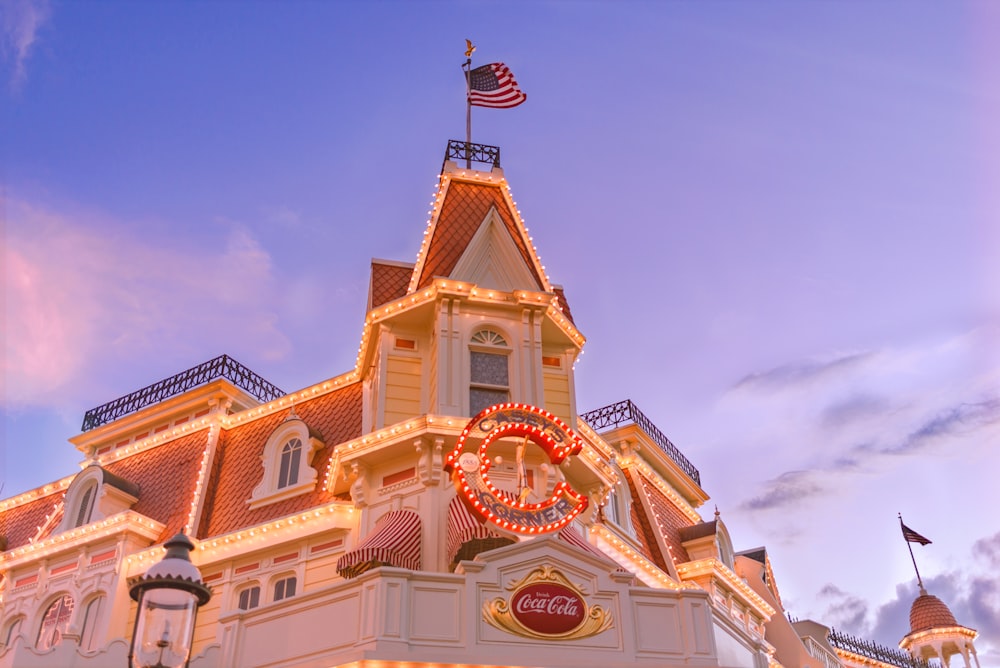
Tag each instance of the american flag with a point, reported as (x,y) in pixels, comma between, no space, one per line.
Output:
(912,536)
(493,85)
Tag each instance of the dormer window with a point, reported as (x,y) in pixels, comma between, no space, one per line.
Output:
(287,462)
(95,494)
(489,370)
(291,456)
(86,505)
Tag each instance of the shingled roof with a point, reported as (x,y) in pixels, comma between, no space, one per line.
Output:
(334,417)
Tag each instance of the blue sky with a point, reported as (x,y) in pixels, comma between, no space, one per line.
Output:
(777,224)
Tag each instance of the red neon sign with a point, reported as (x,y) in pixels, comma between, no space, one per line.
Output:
(507,511)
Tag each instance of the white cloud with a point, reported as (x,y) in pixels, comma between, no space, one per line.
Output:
(855,414)
(20,21)
(87,293)
(972,594)
(830,449)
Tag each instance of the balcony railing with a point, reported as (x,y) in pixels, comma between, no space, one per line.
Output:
(470,153)
(872,650)
(222,366)
(625,412)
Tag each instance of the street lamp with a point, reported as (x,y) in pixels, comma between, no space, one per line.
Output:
(169,595)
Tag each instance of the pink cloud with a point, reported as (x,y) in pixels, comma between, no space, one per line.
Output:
(84,292)
(19,25)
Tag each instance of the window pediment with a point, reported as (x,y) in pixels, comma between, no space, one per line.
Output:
(287,462)
(96,494)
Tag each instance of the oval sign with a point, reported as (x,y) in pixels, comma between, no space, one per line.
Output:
(548,608)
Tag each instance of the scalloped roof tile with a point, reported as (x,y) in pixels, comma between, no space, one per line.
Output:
(389,281)
(465,207)
(335,417)
(930,612)
(166,476)
(21,523)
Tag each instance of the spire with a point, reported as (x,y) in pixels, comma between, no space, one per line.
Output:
(474,212)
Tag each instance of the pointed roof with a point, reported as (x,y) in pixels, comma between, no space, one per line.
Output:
(464,200)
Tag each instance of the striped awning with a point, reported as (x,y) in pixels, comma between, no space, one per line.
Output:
(395,541)
(574,538)
(463,527)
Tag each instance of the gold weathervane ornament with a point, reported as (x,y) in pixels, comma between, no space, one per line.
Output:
(469,48)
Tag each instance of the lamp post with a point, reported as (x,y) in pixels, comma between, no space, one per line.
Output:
(169,595)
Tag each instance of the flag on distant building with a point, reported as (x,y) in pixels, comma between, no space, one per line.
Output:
(493,85)
(912,536)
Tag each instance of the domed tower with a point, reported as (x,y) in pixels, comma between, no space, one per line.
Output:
(934,633)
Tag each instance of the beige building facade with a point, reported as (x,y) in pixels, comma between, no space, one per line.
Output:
(443,503)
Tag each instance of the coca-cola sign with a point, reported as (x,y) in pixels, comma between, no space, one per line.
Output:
(548,608)
(544,604)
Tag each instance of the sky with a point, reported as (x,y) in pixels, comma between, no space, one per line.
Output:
(777,223)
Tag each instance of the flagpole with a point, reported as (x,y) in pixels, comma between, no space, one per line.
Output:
(468,113)
(920,582)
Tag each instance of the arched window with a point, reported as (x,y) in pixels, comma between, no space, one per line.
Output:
(88,632)
(54,623)
(12,630)
(249,598)
(94,495)
(489,370)
(291,453)
(287,462)
(86,505)
(284,588)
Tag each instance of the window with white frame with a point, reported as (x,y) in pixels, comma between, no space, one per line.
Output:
(287,463)
(489,370)
(54,622)
(94,495)
(86,505)
(88,630)
(248,598)
(291,457)
(285,587)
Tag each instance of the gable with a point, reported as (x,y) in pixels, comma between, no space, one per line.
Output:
(462,213)
(492,260)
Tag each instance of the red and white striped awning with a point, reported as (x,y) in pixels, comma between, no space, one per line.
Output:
(463,526)
(395,541)
(574,538)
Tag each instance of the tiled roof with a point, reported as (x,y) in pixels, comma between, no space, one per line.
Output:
(21,523)
(166,476)
(388,281)
(930,612)
(334,417)
(464,209)
(699,530)
(565,304)
(757,554)
(667,518)
(644,528)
